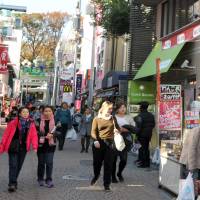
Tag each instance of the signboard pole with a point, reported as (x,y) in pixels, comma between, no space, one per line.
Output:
(158,95)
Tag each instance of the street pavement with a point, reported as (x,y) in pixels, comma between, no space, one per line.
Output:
(72,175)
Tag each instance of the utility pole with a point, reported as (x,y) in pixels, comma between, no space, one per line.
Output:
(91,86)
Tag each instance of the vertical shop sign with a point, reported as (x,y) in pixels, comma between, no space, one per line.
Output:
(78,86)
(3,59)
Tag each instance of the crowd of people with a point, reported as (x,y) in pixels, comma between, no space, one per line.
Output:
(43,127)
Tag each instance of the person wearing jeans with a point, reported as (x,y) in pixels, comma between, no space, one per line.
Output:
(46,127)
(17,139)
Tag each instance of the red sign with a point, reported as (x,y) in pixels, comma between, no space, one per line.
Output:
(184,35)
(3,59)
(170,115)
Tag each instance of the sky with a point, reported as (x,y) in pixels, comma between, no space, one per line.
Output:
(44,5)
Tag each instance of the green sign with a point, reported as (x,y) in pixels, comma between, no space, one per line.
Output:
(32,71)
(139,91)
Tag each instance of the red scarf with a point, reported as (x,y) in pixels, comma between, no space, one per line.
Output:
(51,123)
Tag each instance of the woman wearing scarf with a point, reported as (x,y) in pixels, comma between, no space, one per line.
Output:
(103,134)
(17,139)
(46,147)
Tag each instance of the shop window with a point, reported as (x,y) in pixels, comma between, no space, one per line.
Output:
(165,18)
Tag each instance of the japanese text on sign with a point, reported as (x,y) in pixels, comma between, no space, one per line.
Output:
(170,115)
(170,92)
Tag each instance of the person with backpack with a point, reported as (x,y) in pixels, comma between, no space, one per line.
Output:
(125,122)
(47,145)
(17,139)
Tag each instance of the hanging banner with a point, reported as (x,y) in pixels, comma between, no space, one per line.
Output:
(3,59)
(78,86)
(170,116)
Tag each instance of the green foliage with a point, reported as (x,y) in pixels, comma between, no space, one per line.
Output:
(113,16)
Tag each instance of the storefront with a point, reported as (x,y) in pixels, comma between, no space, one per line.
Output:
(178,99)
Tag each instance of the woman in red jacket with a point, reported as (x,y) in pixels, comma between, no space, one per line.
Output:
(17,139)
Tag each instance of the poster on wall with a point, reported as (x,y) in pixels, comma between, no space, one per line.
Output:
(170,116)
(3,59)
(192,119)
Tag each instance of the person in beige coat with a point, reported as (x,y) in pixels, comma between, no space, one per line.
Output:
(190,155)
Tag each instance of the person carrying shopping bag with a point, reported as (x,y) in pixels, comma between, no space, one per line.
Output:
(17,139)
(103,145)
(47,146)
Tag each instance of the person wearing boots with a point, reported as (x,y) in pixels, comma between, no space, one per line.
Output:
(85,130)
(103,128)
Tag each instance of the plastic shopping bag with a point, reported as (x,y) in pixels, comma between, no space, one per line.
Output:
(186,192)
(119,142)
(135,148)
(156,156)
(71,134)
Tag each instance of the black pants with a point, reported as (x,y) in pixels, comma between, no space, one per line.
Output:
(61,138)
(123,155)
(45,162)
(103,155)
(85,142)
(16,161)
(144,153)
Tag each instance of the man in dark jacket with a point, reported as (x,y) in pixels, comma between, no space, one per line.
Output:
(145,123)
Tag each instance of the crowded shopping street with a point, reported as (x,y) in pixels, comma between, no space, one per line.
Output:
(99,99)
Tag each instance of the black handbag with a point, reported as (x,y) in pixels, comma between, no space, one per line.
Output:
(14,146)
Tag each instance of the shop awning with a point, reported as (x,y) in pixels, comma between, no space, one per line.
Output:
(167,57)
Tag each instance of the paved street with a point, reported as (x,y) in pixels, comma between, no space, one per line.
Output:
(72,172)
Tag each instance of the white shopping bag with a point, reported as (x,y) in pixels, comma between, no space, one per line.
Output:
(186,192)
(156,156)
(119,142)
(135,148)
(71,134)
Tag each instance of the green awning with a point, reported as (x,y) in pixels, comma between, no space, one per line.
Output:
(167,57)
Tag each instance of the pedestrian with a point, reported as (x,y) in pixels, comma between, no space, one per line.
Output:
(126,120)
(77,118)
(17,139)
(145,124)
(72,109)
(103,135)
(46,147)
(13,114)
(64,119)
(85,130)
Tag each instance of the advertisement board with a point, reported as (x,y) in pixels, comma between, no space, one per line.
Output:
(170,116)
(139,91)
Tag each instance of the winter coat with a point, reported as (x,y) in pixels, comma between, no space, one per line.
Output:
(32,138)
(86,126)
(191,149)
(145,124)
(64,117)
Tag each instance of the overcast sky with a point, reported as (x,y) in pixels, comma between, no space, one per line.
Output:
(44,5)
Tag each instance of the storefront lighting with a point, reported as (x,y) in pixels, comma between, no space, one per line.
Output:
(192,82)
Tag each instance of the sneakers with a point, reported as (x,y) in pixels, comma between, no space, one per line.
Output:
(93,181)
(82,150)
(49,184)
(107,188)
(121,178)
(41,183)
(12,188)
